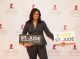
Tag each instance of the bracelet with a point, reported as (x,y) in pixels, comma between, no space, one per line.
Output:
(23,43)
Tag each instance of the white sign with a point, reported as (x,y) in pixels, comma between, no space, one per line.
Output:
(67,37)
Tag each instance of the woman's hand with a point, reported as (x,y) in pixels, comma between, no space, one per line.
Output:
(20,43)
(28,44)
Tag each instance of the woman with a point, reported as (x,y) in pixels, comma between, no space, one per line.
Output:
(35,26)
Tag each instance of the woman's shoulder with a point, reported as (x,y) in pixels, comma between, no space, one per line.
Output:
(27,22)
(42,21)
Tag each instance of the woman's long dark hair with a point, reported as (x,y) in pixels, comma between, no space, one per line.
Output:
(31,15)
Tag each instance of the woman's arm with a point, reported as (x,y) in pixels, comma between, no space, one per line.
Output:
(47,31)
(25,29)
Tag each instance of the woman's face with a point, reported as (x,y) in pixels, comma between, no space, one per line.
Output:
(36,15)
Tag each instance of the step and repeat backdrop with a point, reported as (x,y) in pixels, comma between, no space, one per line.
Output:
(61,16)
